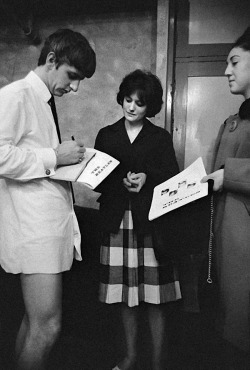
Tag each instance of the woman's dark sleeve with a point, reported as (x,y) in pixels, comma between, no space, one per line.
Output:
(164,164)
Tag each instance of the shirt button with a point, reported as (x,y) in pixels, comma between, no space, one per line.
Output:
(47,172)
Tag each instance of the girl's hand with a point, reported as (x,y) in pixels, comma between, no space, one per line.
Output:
(218,177)
(134,181)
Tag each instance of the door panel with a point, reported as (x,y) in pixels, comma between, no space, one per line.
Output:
(201,96)
(209,102)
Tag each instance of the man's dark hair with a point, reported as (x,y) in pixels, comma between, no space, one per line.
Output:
(70,48)
(147,86)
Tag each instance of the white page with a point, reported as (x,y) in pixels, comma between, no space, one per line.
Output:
(71,172)
(179,190)
(97,169)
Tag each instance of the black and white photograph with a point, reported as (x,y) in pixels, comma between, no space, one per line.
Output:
(111,256)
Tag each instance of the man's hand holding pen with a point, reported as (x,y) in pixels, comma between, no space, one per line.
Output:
(70,152)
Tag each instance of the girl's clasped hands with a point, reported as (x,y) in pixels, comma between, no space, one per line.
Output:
(134,181)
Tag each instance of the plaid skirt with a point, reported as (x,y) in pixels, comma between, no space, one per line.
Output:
(130,272)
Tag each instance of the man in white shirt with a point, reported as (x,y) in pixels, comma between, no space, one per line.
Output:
(39,234)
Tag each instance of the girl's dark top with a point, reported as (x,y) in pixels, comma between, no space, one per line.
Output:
(151,152)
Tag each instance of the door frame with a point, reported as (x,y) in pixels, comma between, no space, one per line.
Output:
(186,60)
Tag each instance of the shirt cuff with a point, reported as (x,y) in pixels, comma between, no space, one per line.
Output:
(48,157)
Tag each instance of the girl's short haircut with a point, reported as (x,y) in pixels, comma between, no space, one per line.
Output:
(147,86)
(243,41)
(70,48)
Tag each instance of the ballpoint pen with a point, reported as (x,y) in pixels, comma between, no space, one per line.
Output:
(80,160)
(90,160)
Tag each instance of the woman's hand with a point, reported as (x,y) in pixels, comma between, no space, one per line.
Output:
(134,181)
(218,177)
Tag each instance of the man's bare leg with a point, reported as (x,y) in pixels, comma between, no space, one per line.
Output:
(42,294)
(21,336)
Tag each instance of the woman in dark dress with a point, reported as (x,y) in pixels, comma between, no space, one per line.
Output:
(130,273)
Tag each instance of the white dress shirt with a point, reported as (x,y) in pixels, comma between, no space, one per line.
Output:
(38,226)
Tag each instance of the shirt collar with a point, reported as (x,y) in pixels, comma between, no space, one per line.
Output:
(38,85)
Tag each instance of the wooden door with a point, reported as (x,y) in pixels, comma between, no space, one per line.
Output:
(199,99)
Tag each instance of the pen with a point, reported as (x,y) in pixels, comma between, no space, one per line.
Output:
(90,159)
(86,165)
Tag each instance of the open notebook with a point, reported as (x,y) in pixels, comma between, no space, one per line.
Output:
(94,168)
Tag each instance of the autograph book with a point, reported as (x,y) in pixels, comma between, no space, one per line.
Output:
(181,189)
(94,168)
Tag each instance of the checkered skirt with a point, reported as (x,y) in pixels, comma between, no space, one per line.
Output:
(130,272)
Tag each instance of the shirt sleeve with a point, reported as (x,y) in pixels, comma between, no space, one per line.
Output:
(20,157)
